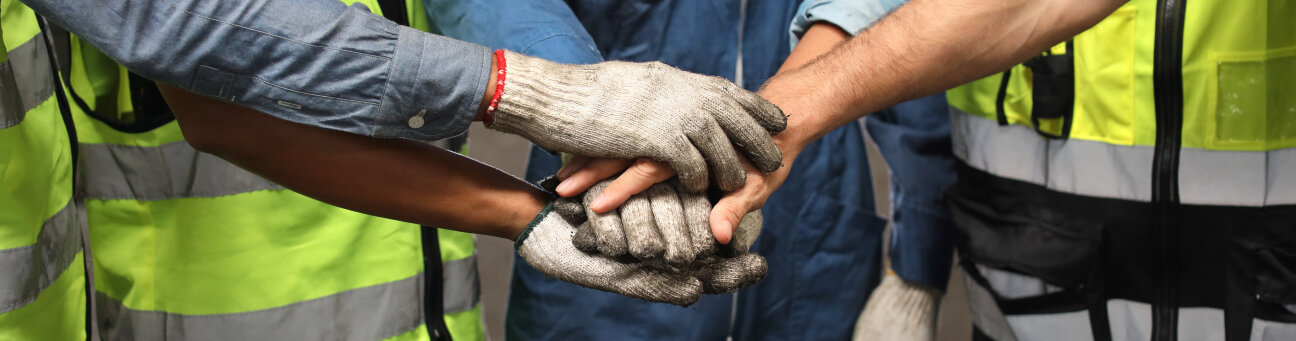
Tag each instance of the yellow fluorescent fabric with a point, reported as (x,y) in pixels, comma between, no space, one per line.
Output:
(20,24)
(37,173)
(1238,77)
(57,314)
(188,256)
(454,244)
(466,325)
(416,334)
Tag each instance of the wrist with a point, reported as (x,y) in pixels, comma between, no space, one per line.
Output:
(494,89)
(536,219)
(809,108)
(525,213)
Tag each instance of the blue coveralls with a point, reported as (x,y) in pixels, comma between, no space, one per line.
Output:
(822,235)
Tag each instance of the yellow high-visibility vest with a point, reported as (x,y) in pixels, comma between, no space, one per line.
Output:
(189,246)
(42,273)
(1137,181)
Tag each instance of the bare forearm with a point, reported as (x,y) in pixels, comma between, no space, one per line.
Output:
(925,47)
(399,179)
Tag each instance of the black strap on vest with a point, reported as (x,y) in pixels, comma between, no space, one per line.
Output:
(1000,115)
(1053,92)
(433,292)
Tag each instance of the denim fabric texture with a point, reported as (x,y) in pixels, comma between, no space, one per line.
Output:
(822,237)
(315,62)
(914,138)
(850,16)
(697,36)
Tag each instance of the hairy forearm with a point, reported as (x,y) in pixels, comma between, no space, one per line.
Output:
(925,47)
(392,178)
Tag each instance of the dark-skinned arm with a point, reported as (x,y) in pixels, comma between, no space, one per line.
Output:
(393,178)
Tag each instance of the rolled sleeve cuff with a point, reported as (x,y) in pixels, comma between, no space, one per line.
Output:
(851,16)
(438,80)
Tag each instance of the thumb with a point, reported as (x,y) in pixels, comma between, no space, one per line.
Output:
(726,215)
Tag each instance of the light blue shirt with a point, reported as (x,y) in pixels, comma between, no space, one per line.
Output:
(315,62)
(852,16)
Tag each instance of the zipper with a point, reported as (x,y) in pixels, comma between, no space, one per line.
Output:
(1167,78)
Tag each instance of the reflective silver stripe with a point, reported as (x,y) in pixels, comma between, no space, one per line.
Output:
(1129,320)
(25,81)
(1237,178)
(1011,285)
(1132,320)
(1097,169)
(460,285)
(1072,166)
(370,313)
(170,171)
(26,271)
(986,315)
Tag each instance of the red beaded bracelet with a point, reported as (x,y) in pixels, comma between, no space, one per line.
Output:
(489,118)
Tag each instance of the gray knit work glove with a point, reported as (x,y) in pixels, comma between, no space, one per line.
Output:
(663,222)
(729,270)
(720,268)
(547,245)
(726,271)
(641,110)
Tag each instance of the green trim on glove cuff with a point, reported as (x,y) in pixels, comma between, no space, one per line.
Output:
(544,212)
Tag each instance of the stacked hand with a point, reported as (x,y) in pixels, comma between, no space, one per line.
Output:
(641,110)
(657,247)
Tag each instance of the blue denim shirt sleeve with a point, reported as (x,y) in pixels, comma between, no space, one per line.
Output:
(541,28)
(852,16)
(316,62)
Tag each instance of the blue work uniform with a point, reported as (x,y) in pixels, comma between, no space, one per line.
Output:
(822,235)
(914,138)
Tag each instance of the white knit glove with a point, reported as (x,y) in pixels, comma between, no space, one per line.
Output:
(899,310)
(640,110)
(547,245)
(663,222)
(668,229)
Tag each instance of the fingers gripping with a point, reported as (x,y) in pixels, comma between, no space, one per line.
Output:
(668,213)
(726,275)
(607,226)
(689,164)
(697,213)
(768,115)
(748,229)
(641,229)
(709,138)
(750,137)
(585,240)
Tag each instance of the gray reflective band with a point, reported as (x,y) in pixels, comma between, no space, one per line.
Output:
(170,171)
(461,286)
(1129,320)
(370,313)
(25,81)
(1237,178)
(27,270)
(1097,169)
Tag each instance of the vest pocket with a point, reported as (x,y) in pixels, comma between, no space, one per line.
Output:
(1253,104)
(1008,234)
